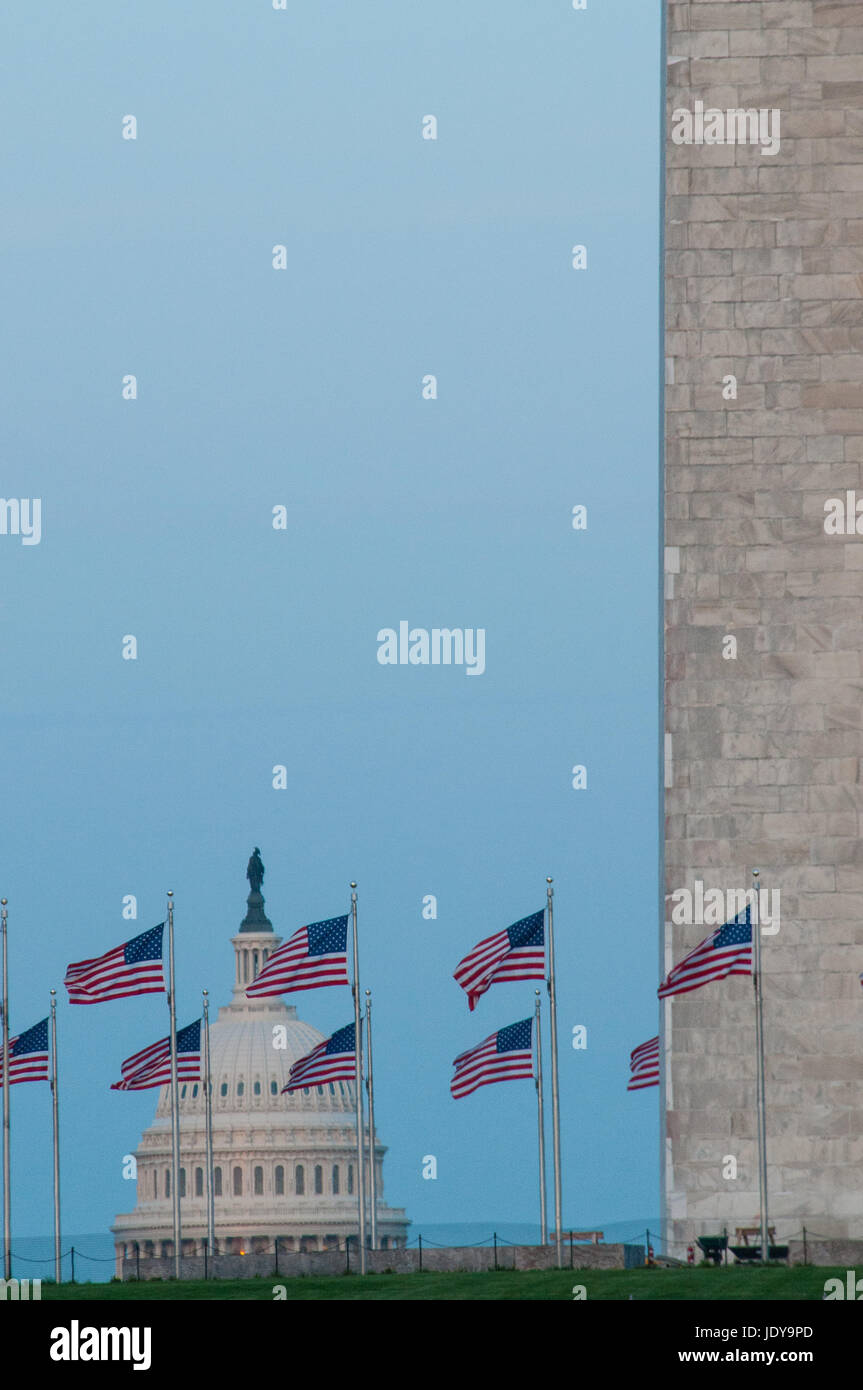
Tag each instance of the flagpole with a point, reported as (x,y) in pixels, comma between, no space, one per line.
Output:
(759,1089)
(358,1085)
(7,1212)
(55,1116)
(541,1123)
(175,1092)
(373,1176)
(208,1113)
(555,1093)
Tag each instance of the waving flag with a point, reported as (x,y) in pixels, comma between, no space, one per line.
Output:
(506,1056)
(515,954)
(644,1065)
(152,1065)
(314,956)
(134,968)
(28,1055)
(332,1060)
(726,951)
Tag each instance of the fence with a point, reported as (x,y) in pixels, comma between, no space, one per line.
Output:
(73,1263)
(803,1247)
(423,1257)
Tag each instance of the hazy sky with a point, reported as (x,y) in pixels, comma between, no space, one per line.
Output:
(257,647)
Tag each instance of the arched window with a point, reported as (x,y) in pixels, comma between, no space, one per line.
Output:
(320,1090)
(183,1092)
(257,1088)
(194,1090)
(332,1089)
(223,1089)
(217,1182)
(155,1183)
(182,1182)
(255,964)
(319,1179)
(301,1180)
(274,1088)
(280,1180)
(335,1179)
(199,1182)
(350,1178)
(240,1087)
(238,1182)
(259,1182)
(167,1182)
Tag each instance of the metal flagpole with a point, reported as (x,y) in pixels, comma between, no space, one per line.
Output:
(358,1084)
(759,1048)
(542,1215)
(55,1109)
(373,1176)
(7,1211)
(208,1121)
(175,1092)
(555,1095)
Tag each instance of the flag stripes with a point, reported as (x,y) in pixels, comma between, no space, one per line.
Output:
(152,1065)
(332,1060)
(726,951)
(28,1055)
(314,956)
(518,953)
(506,1055)
(130,969)
(644,1065)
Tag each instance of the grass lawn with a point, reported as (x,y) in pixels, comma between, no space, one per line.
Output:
(801,1283)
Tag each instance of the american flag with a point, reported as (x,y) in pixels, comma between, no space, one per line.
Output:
(134,968)
(726,951)
(644,1065)
(515,954)
(506,1056)
(28,1055)
(332,1060)
(314,956)
(152,1065)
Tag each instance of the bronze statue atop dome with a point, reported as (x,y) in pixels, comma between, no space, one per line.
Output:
(255,871)
(255,919)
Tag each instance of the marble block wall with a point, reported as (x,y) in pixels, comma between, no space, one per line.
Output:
(764,283)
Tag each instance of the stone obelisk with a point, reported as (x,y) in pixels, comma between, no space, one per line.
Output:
(764,606)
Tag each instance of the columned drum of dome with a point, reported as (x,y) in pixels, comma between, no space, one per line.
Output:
(284,1166)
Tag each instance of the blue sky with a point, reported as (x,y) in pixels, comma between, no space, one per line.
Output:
(258,647)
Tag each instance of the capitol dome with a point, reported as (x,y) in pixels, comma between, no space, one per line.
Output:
(284,1166)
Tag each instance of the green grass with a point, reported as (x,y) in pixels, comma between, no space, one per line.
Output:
(737,1284)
